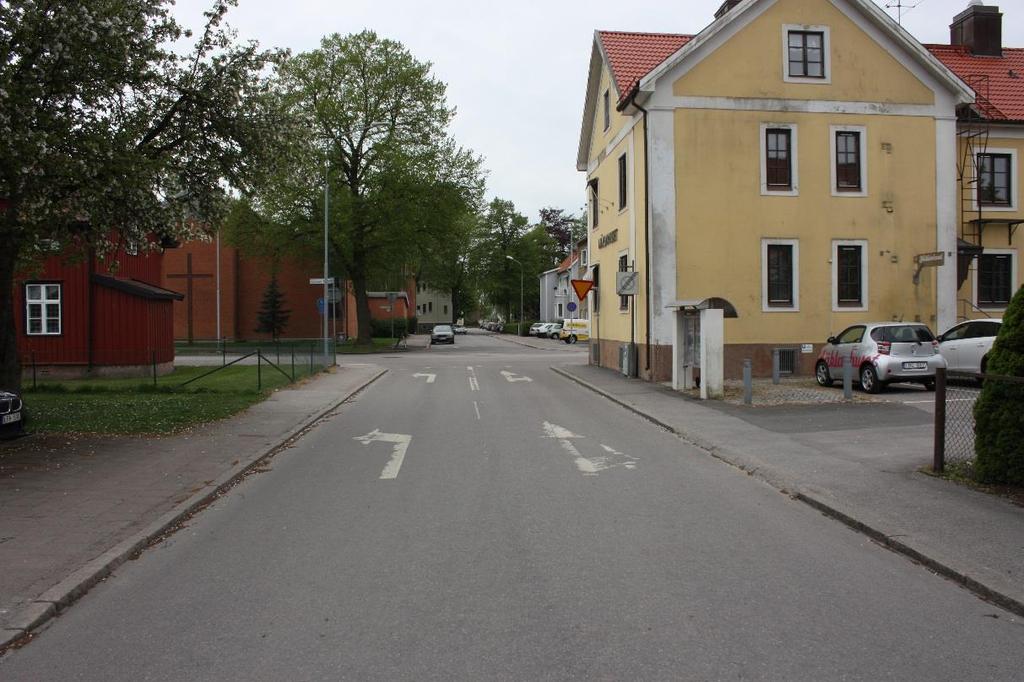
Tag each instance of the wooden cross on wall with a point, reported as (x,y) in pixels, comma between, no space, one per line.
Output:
(189,276)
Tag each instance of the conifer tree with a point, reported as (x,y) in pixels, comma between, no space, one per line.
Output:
(273,317)
(999,410)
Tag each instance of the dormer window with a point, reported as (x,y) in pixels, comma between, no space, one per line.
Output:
(806,54)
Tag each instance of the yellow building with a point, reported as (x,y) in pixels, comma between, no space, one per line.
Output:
(803,160)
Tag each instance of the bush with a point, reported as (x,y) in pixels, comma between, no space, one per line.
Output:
(524,328)
(999,410)
(382,328)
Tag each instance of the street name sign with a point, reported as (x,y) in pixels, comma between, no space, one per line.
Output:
(320,280)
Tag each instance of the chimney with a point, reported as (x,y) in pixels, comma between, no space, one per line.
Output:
(726,6)
(979,28)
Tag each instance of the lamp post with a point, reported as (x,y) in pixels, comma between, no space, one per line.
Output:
(327,264)
(519,322)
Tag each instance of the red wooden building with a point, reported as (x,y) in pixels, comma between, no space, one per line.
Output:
(79,316)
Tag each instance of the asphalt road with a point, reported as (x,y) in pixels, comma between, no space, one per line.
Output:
(475,516)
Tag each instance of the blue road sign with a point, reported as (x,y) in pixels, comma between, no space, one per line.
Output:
(320,305)
(571,307)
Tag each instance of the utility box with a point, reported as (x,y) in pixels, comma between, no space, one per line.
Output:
(627,359)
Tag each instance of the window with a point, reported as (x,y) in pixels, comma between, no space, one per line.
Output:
(607,110)
(559,310)
(849,275)
(851,335)
(430,306)
(779,159)
(595,204)
(42,309)
(995,279)
(597,289)
(583,258)
(807,54)
(779,275)
(622,182)
(995,179)
(849,163)
(624,267)
(446,309)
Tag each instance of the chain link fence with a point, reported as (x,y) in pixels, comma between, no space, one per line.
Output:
(956,394)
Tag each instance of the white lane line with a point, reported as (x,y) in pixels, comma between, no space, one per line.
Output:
(477,408)
(401,445)
(430,377)
(512,377)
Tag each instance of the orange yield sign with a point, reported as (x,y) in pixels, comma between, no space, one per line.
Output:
(582,287)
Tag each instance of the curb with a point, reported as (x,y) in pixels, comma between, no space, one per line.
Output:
(56,599)
(981,590)
(525,345)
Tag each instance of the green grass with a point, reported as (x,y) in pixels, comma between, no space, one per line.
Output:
(284,346)
(134,406)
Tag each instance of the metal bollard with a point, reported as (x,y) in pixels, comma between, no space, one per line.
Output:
(847,379)
(748,383)
(939,445)
(775,366)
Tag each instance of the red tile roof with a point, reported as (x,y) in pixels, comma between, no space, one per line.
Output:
(998,81)
(567,262)
(634,55)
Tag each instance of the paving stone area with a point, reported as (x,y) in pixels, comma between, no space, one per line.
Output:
(789,391)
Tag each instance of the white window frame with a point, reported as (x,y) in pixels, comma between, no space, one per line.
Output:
(622,186)
(1014,181)
(795,243)
(44,302)
(607,105)
(832,130)
(618,303)
(794,165)
(826,49)
(1014,282)
(863,244)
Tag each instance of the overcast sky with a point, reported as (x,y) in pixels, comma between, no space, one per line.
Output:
(517,71)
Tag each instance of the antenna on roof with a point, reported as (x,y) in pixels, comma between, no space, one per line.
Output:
(902,8)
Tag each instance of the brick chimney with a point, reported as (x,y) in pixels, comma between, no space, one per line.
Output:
(726,6)
(979,28)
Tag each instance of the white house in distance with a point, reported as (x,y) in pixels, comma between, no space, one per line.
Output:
(432,306)
(556,290)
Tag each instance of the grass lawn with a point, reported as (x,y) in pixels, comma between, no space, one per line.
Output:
(134,406)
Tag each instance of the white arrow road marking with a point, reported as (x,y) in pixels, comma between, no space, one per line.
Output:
(513,377)
(430,377)
(474,385)
(401,442)
(588,466)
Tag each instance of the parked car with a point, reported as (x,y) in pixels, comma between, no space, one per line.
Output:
(12,415)
(535,328)
(575,330)
(965,346)
(460,329)
(554,331)
(442,333)
(881,353)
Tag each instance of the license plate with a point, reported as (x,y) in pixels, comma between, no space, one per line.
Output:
(11,418)
(915,365)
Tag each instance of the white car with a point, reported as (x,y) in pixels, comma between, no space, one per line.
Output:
(965,346)
(535,328)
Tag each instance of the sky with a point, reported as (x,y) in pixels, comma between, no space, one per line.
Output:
(517,71)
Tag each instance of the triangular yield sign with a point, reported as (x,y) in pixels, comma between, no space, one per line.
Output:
(582,287)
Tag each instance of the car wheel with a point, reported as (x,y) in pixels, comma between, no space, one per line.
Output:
(821,374)
(869,379)
(571,339)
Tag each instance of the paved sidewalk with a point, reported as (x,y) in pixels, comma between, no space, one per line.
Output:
(857,462)
(542,344)
(73,508)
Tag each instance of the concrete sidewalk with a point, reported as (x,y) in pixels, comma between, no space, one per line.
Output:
(72,508)
(857,462)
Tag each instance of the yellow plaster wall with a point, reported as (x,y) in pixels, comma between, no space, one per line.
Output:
(994,237)
(751,63)
(600,138)
(722,217)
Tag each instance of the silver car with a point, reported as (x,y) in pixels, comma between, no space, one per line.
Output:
(881,353)
(966,345)
(442,333)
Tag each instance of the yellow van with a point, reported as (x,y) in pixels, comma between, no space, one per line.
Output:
(575,330)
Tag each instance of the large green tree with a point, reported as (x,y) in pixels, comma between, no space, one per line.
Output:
(375,130)
(109,135)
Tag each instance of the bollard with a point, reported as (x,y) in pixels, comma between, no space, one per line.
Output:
(775,366)
(847,379)
(748,383)
(939,463)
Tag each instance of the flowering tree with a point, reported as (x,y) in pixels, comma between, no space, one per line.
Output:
(110,136)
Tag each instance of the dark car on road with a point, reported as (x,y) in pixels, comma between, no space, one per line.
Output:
(12,415)
(442,333)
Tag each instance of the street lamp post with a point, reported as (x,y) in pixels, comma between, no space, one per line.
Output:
(520,321)
(327,264)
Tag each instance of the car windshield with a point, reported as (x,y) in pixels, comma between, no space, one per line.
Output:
(442,328)
(907,333)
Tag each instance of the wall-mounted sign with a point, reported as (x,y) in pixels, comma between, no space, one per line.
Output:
(607,239)
(627,283)
(807,348)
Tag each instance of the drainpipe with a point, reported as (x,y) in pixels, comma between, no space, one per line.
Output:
(647,234)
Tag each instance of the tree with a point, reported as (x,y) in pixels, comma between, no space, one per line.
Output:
(109,137)
(446,265)
(376,127)
(272,318)
(999,410)
(566,230)
(499,234)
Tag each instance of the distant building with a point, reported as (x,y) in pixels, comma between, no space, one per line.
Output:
(432,306)
(80,316)
(556,292)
